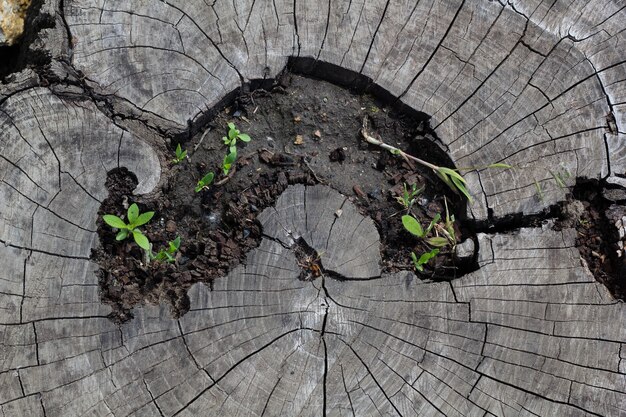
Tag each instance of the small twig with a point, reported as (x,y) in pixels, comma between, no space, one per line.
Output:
(306,163)
(395,214)
(197,145)
(321,181)
(228,177)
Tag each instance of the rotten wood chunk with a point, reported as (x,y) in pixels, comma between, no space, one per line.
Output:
(275,159)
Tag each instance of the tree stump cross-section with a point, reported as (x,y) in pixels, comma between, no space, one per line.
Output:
(536,84)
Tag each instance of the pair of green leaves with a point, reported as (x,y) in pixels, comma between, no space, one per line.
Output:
(413,225)
(135,219)
(167,255)
(454,180)
(205,182)
(229,160)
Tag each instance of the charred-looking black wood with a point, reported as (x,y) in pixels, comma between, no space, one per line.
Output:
(531,332)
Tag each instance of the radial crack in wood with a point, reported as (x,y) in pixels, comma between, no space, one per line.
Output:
(346,242)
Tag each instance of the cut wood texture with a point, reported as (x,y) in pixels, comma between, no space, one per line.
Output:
(540,85)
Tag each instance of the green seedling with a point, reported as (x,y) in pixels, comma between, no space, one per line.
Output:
(167,255)
(413,226)
(424,259)
(448,226)
(180,155)
(444,232)
(451,177)
(205,182)
(135,219)
(234,134)
(407,199)
(229,160)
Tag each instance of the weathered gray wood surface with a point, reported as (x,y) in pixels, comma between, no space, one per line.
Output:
(531,333)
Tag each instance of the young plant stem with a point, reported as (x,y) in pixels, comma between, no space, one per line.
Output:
(370,139)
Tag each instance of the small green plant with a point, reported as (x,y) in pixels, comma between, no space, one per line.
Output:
(234,134)
(413,226)
(444,235)
(423,259)
(180,155)
(135,219)
(205,182)
(167,254)
(451,177)
(407,199)
(229,160)
(448,227)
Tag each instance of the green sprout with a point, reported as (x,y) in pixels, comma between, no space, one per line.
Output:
(407,199)
(444,235)
(444,231)
(413,226)
(205,182)
(423,259)
(167,255)
(233,135)
(231,142)
(451,177)
(229,160)
(448,227)
(135,220)
(180,155)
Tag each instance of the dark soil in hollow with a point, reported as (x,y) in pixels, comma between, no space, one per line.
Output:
(598,239)
(303,131)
